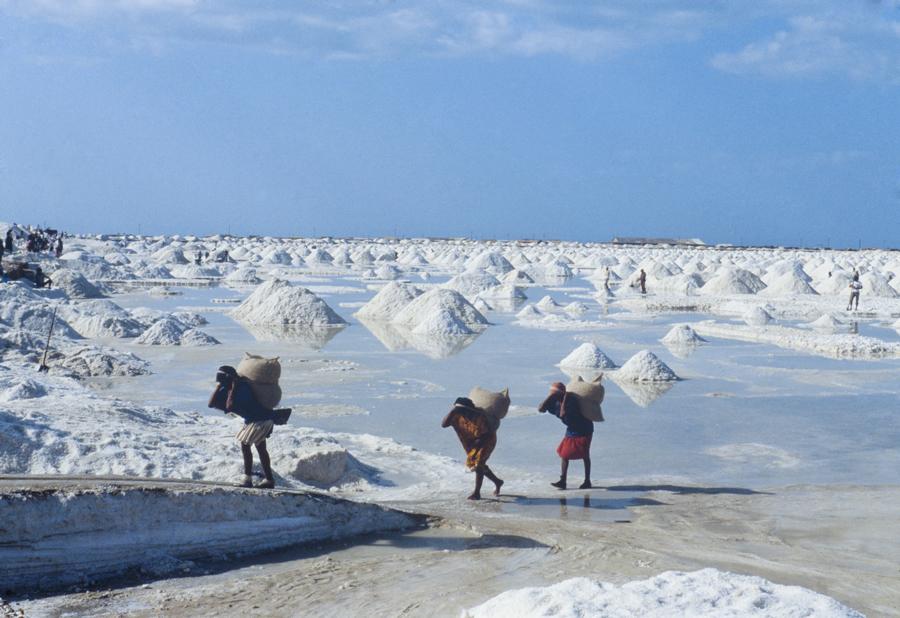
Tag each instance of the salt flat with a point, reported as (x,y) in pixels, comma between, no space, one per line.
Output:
(796,415)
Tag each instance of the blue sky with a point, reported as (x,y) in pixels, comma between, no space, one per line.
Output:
(751,122)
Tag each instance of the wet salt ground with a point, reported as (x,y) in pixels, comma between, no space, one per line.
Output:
(746,415)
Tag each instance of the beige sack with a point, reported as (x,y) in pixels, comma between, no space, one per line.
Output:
(589,396)
(268,395)
(260,370)
(493,404)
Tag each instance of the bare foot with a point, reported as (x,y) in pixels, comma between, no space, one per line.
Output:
(475,496)
(498,484)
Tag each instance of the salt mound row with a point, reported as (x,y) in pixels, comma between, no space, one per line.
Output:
(733,281)
(440,312)
(278,302)
(757,316)
(706,593)
(169,331)
(74,284)
(388,302)
(682,334)
(589,356)
(645,366)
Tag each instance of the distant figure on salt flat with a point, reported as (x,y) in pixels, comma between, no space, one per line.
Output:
(606,280)
(59,247)
(643,281)
(478,436)
(576,444)
(198,257)
(8,243)
(855,287)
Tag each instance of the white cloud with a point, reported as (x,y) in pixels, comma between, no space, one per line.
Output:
(856,42)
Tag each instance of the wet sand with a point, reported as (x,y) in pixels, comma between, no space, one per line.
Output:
(842,541)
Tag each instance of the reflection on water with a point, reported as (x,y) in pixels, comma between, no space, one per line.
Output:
(397,339)
(314,338)
(681,350)
(587,374)
(644,393)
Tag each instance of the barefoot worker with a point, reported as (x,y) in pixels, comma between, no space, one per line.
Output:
(234,394)
(855,286)
(478,435)
(577,442)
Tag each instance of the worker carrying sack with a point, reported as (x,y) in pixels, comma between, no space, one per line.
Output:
(494,405)
(235,394)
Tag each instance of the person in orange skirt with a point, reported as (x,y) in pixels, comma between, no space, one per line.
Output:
(576,444)
(478,436)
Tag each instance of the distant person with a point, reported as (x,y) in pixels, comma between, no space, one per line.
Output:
(642,280)
(606,280)
(8,243)
(478,437)
(59,247)
(234,394)
(198,257)
(855,287)
(576,444)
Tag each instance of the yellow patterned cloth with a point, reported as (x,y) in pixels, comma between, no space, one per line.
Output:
(469,427)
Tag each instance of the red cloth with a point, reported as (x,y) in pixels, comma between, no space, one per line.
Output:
(574,447)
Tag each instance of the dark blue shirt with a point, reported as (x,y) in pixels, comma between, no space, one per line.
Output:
(243,403)
(576,424)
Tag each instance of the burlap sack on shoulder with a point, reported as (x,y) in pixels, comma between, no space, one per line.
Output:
(258,369)
(493,404)
(263,375)
(589,396)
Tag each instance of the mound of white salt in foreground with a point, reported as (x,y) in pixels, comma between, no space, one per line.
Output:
(705,593)
(827,322)
(682,334)
(74,284)
(757,316)
(588,356)
(278,302)
(440,312)
(389,300)
(645,366)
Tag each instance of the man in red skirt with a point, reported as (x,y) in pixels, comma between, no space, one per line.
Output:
(577,442)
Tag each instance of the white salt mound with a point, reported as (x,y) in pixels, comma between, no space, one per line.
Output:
(389,301)
(167,331)
(547,304)
(529,312)
(757,316)
(827,322)
(194,337)
(733,281)
(589,356)
(440,312)
(682,334)
(707,593)
(645,366)
(278,302)
(74,284)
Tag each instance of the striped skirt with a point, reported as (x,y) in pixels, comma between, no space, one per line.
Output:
(254,433)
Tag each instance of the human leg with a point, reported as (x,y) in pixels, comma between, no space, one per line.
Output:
(498,482)
(266,463)
(479,479)
(563,473)
(248,465)
(587,474)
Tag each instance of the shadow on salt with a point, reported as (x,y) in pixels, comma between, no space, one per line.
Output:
(399,339)
(313,338)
